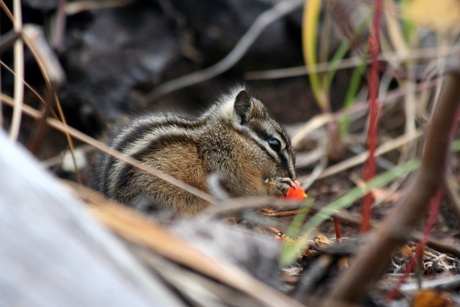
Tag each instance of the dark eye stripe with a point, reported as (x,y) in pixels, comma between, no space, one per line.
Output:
(282,158)
(264,135)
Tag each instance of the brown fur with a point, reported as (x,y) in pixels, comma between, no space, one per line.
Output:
(217,142)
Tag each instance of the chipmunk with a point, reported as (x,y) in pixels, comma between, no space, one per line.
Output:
(235,138)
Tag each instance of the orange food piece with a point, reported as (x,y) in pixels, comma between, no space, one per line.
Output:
(295,192)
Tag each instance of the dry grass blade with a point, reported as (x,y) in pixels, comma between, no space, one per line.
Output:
(358,159)
(76,7)
(19,73)
(54,76)
(7,11)
(394,31)
(323,119)
(392,57)
(50,67)
(313,124)
(29,87)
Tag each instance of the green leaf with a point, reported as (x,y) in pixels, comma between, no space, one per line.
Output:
(312,9)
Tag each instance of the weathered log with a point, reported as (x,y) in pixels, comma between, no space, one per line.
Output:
(52,253)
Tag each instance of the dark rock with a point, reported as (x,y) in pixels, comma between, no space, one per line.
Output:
(219,25)
(120,50)
(42,5)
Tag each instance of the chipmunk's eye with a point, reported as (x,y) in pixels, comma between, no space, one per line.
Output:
(275,144)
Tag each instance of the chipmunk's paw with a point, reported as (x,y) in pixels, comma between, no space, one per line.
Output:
(278,186)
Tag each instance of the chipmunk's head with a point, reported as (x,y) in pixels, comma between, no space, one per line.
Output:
(251,118)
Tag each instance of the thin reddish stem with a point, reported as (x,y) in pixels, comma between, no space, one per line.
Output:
(372,135)
(338,229)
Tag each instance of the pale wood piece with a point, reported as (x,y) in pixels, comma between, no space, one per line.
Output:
(52,253)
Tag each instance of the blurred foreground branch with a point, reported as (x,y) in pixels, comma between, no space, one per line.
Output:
(372,260)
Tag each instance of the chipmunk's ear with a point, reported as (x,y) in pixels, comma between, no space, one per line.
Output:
(243,106)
